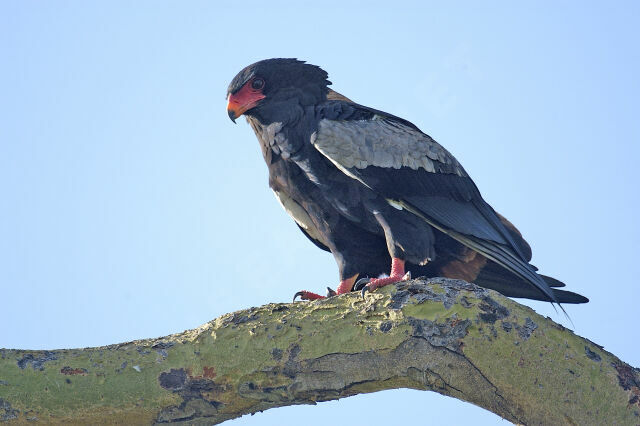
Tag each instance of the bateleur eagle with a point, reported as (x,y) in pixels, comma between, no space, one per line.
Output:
(375,191)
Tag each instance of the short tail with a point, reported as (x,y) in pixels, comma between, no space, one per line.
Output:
(497,278)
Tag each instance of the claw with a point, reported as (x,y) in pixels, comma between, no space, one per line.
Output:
(298,294)
(330,292)
(361,283)
(364,290)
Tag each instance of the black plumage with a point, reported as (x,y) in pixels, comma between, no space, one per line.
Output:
(371,187)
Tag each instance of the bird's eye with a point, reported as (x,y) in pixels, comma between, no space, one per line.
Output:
(257,84)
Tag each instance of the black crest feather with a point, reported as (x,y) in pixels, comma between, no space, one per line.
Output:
(286,71)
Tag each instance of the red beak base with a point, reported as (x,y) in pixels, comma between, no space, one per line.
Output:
(242,101)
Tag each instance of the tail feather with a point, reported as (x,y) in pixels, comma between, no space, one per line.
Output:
(497,278)
(569,296)
(552,281)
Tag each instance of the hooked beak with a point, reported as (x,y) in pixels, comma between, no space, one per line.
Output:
(241,101)
(232,113)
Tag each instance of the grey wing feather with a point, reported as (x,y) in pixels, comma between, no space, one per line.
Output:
(382,143)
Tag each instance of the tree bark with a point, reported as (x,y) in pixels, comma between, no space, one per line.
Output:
(442,335)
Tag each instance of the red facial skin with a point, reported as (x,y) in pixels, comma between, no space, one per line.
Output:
(243,100)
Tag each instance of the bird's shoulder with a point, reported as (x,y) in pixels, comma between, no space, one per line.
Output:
(340,108)
(356,136)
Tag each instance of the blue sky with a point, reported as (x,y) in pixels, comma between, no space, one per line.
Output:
(132,207)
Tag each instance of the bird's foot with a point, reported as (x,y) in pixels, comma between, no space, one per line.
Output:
(307,295)
(370,284)
(397,275)
(345,286)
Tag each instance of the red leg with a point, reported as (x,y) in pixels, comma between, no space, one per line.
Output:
(397,274)
(345,286)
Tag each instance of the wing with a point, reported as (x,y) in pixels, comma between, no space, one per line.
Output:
(412,171)
(316,242)
(301,217)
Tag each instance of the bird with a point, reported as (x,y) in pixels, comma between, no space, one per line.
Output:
(383,197)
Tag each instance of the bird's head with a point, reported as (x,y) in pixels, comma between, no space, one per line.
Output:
(265,89)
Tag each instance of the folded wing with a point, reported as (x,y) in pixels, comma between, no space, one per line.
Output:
(414,172)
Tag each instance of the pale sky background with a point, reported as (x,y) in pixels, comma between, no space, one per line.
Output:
(132,207)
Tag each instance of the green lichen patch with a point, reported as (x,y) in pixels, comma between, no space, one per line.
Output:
(80,381)
(428,300)
(539,364)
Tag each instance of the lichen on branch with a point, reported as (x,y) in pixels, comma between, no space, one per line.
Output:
(442,335)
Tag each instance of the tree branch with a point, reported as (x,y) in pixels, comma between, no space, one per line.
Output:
(443,335)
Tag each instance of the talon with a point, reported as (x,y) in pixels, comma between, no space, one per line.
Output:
(330,292)
(364,290)
(298,294)
(361,283)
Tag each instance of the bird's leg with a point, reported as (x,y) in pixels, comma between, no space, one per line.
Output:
(345,286)
(397,274)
